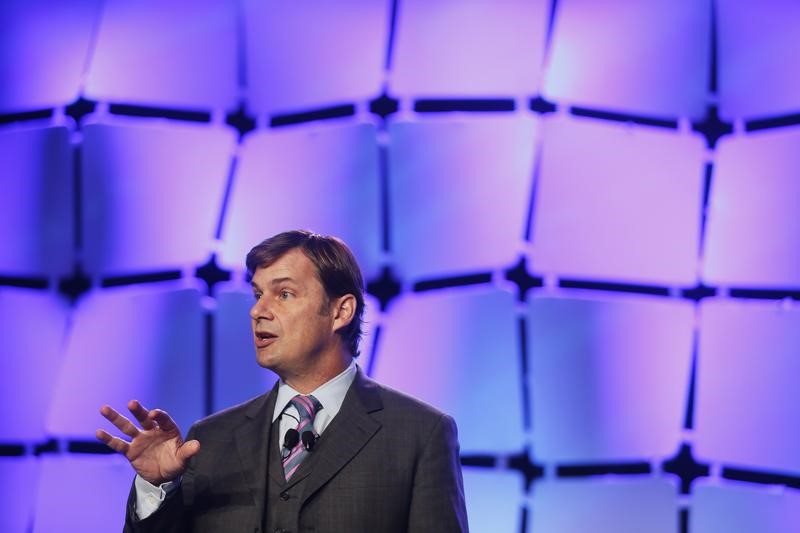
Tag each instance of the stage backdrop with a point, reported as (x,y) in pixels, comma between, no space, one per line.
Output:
(578,220)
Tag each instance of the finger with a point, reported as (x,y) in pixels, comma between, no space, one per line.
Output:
(122,423)
(188,450)
(163,420)
(138,410)
(115,443)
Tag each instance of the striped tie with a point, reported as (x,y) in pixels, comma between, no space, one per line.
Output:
(307,407)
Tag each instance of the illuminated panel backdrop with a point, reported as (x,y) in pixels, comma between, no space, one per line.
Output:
(578,221)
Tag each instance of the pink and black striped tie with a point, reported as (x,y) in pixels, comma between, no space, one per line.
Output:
(307,407)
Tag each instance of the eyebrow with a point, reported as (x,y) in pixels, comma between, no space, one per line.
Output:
(274,282)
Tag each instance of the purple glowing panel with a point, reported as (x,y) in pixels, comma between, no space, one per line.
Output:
(152,193)
(649,58)
(237,376)
(19,477)
(322,178)
(756,39)
(459,193)
(304,55)
(741,508)
(618,203)
(31,347)
(45,46)
(611,505)
(131,343)
(179,53)
(609,376)
(36,207)
(431,348)
(747,408)
(372,319)
(753,226)
(474,48)
(61,505)
(494,499)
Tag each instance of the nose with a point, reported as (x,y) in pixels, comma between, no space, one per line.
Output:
(260,310)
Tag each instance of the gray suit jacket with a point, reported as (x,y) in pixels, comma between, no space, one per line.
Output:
(386,463)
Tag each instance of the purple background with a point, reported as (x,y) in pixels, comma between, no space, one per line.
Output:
(566,248)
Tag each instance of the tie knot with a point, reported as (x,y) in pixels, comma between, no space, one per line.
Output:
(307,406)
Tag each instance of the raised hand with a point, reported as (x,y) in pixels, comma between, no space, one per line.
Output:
(157,451)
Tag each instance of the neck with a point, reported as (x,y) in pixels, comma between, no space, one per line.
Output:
(310,380)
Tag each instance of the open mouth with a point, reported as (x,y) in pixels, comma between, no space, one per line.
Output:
(264,338)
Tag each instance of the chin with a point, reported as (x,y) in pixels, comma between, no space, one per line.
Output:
(266,360)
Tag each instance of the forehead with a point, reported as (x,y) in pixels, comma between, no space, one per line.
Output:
(294,265)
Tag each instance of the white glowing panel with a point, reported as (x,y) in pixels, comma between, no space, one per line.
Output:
(303,55)
(611,505)
(472,48)
(747,401)
(36,207)
(742,508)
(19,477)
(237,376)
(31,351)
(649,58)
(753,227)
(143,343)
(609,376)
(432,347)
(61,504)
(152,194)
(459,191)
(620,203)
(180,53)
(45,46)
(756,38)
(324,179)
(494,499)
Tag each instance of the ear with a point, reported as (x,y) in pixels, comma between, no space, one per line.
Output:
(344,311)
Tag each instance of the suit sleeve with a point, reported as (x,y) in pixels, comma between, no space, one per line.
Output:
(171,517)
(437,502)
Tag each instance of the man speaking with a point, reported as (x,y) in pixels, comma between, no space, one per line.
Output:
(327,449)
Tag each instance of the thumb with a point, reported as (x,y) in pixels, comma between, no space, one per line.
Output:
(187,450)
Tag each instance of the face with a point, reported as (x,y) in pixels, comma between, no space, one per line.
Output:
(293,326)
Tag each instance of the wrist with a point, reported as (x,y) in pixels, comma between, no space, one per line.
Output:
(158,482)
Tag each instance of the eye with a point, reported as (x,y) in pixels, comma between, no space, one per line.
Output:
(284,294)
(257,296)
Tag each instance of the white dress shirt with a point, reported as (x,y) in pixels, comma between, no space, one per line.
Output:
(330,395)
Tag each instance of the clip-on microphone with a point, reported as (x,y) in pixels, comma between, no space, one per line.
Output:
(309,440)
(292,437)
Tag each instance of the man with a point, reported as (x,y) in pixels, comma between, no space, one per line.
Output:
(327,449)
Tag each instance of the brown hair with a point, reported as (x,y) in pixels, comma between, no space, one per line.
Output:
(336,266)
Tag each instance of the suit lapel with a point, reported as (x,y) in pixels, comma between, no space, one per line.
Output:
(275,467)
(252,439)
(349,431)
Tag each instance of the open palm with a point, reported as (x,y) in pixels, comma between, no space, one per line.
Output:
(156,451)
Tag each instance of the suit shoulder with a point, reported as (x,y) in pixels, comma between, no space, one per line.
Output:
(414,419)
(395,400)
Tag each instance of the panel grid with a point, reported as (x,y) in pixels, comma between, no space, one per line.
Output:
(646,268)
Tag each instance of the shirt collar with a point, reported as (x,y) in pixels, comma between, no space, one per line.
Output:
(330,394)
